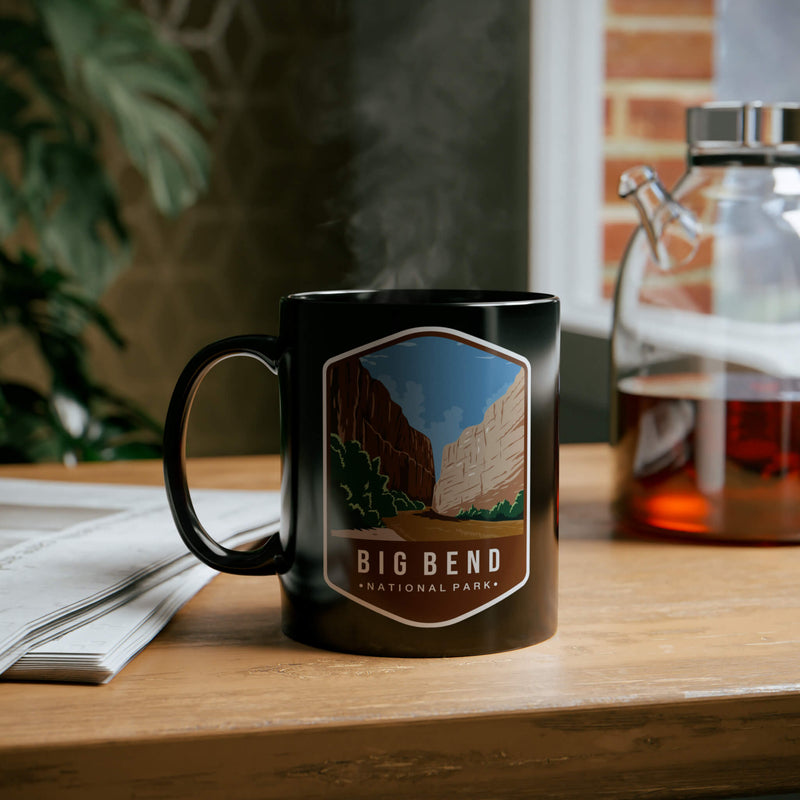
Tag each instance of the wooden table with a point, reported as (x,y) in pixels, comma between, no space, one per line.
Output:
(675,673)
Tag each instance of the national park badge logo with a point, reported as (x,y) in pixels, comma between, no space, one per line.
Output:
(426,458)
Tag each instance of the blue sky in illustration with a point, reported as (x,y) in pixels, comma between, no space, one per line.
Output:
(442,385)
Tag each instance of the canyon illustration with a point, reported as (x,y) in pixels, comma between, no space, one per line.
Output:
(427,442)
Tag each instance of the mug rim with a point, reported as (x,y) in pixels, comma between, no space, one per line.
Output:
(428,297)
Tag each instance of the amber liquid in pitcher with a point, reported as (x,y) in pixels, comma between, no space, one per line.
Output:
(709,457)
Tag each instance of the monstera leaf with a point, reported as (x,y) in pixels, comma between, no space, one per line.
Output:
(110,53)
(78,63)
(72,74)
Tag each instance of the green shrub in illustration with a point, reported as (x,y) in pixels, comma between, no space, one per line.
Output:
(402,502)
(504,510)
(366,494)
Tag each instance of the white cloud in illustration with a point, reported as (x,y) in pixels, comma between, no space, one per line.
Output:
(445,431)
(371,360)
(390,383)
(412,401)
(447,428)
(497,395)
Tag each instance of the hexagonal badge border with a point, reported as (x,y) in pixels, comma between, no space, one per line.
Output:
(380,344)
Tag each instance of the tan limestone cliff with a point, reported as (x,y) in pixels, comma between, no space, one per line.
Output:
(486,464)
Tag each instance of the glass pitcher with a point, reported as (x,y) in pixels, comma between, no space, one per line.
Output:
(706,337)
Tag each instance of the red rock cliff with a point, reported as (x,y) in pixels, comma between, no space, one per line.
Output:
(361,408)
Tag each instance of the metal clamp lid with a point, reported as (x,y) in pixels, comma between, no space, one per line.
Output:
(743,125)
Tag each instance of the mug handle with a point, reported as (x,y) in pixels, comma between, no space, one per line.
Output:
(269,558)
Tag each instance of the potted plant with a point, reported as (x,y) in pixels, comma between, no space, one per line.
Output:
(73,72)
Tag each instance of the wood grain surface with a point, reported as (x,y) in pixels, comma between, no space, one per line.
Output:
(675,673)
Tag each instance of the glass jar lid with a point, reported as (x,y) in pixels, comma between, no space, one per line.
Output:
(743,126)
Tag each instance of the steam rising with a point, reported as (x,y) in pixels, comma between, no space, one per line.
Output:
(439,173)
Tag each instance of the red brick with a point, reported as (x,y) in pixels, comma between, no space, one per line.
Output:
(696,270)
(689,297)
(657,119)
(693,271)
(609,286)
(663,8)
(615,239)
(668,169)
(659,54)
(703,258)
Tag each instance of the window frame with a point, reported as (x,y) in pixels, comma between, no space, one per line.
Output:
(566,160)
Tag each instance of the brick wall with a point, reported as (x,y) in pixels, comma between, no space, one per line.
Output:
(659,61)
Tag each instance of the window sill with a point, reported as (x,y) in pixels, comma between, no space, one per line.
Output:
(587,320)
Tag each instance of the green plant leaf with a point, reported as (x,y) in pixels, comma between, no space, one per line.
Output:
(37,77)
(61,69)
(21,39)
(75,211)
(28,431)
(9,207)
(12,103)
(147,85)
(42,302)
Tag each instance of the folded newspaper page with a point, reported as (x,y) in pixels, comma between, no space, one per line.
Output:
(89,573)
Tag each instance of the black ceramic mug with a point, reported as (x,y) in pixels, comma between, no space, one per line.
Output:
(419,469)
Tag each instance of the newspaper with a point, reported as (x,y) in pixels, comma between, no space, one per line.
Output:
(89,573)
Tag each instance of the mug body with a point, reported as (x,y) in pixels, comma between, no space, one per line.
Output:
(420,470)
